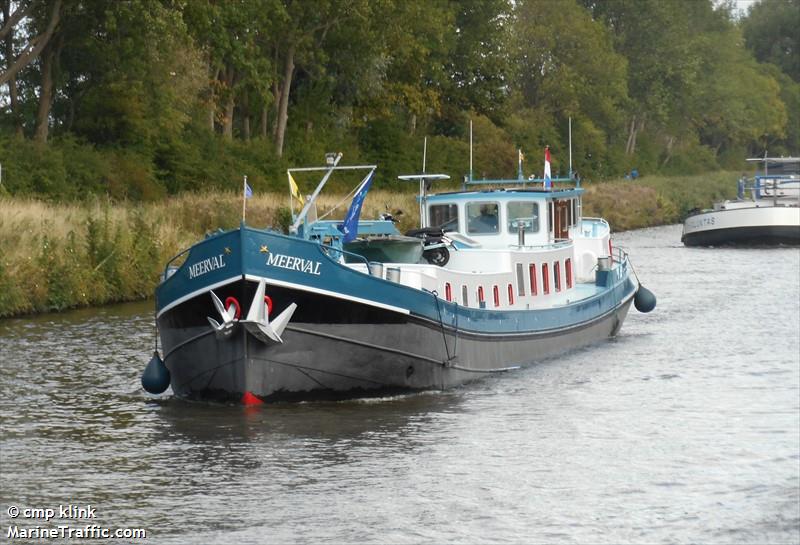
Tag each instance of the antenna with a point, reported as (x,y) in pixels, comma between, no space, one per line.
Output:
(424,153)
(470,150)
(570,147)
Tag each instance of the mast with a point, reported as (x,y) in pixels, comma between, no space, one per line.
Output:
(423,222)
(570,147)
(470,150)
(302,215)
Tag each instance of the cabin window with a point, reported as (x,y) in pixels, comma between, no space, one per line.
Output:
(520,280)
(483,218)
(496,291)
(464,294)
(532,274)
(510,294)
(545,279)
(557,275)
(525,214)
(480,295)
(551,213)
(574,209)
(568,271)
(448,292)
(443,216)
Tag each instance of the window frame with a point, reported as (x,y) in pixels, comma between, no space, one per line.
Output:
(535,227)
(467,219)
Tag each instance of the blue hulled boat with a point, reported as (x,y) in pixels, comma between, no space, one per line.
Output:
(500,278)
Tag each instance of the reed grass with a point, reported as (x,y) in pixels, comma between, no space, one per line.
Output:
(59,256)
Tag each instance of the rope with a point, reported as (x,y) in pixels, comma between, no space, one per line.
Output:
(441,323)
(340,203)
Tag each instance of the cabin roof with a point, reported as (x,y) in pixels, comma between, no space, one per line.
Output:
(507,194)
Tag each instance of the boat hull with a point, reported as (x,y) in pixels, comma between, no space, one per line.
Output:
(752,226)
(346,350)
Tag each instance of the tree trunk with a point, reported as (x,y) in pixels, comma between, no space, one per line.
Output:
(245,118)
(35,46)
(212,104)
(276,100)
(12,82)
(264,119)
(283,106)
(630,145)
(230,103)
(227,123)
(670,144)
(46,94)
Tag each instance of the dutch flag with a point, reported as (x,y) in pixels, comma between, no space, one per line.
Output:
(548,183)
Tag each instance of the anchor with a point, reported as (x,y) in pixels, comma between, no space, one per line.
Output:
(258,323)
(224,329)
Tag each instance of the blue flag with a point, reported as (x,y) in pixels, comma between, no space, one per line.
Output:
(350,225)
(248,191)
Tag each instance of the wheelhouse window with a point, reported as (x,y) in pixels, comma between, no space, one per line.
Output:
(443,216)
(483,218)
(525,214)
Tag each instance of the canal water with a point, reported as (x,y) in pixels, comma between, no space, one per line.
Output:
(683,429)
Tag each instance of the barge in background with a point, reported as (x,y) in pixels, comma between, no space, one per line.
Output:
(766,211)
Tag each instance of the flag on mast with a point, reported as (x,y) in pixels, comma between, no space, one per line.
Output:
(520,159)
(350,225)
(295,190)
(247,192)
(548,182)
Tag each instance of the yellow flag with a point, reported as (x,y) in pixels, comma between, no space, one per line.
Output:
(296,190)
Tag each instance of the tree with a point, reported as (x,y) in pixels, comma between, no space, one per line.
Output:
(50,17)
(565,66)
(234,39)
(771,33)
(737,102)
(477,66)
(656,38)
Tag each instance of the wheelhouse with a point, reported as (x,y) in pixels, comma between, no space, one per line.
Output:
(506,217)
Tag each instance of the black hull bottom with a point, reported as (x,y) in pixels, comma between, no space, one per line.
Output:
(786,235)
(388,355)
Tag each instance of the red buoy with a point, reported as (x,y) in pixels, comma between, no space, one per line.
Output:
(251,399)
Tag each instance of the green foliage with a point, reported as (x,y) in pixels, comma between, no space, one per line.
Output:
(155,98)
(770,32)
(284,219)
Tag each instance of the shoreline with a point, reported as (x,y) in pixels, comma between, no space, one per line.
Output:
(56,257)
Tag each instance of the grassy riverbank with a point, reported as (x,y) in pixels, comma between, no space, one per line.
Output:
(59,256)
